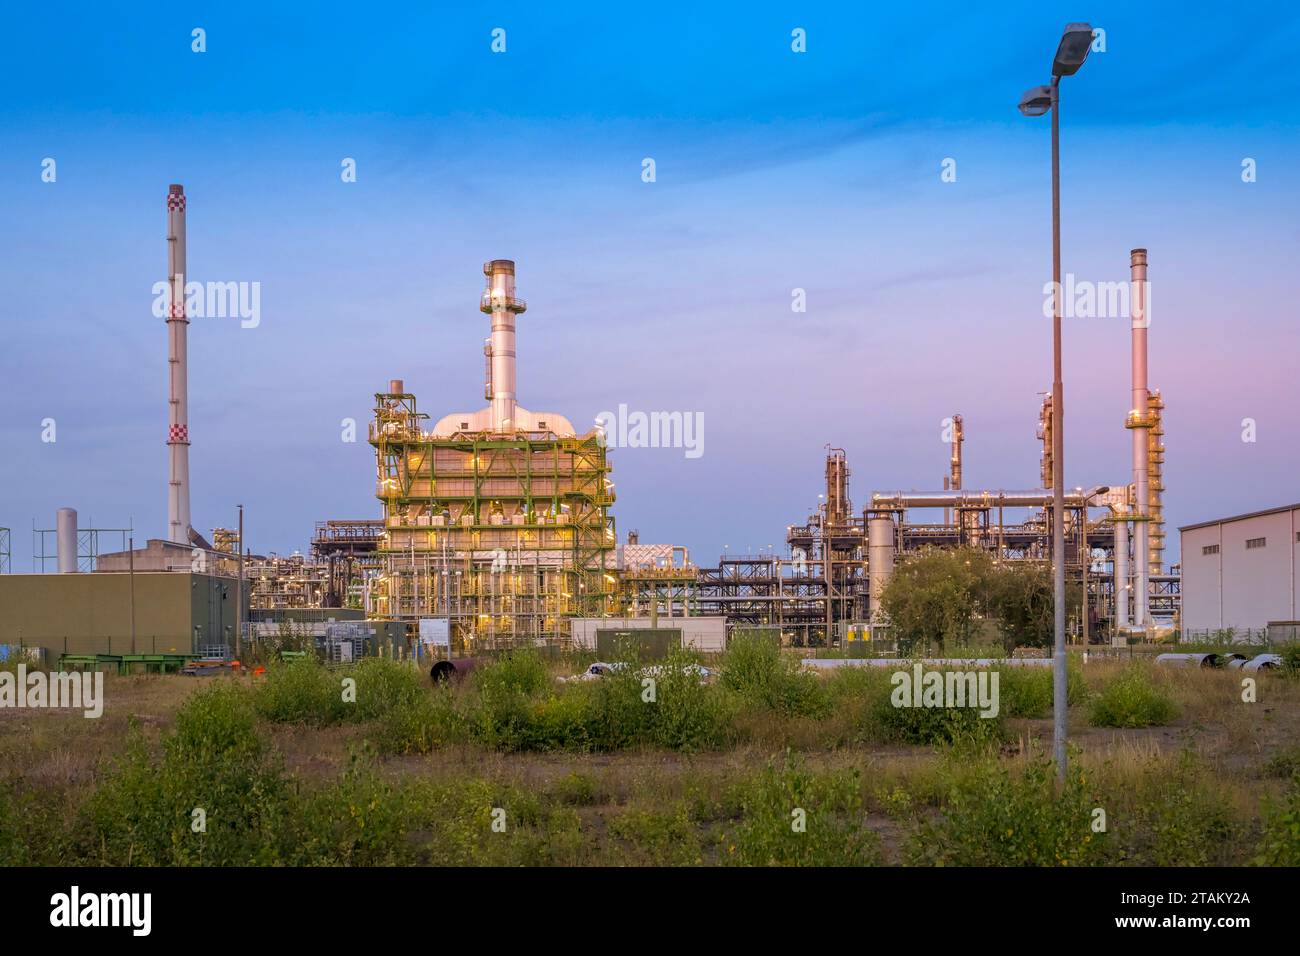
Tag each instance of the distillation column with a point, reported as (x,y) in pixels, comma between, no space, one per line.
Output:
(1139,422)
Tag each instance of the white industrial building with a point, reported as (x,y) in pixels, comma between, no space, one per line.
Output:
(1240,572)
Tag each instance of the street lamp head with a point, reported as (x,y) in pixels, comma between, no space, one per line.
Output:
(1036,101)
(1075,43)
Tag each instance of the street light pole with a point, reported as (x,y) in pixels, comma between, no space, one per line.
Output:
(1060,701)
(1070,54)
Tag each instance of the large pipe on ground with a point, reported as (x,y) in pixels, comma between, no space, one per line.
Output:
(66,538)
(178,414)
(1139,423)
(499,301)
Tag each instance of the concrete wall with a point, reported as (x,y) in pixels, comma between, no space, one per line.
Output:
(1239,587)
(91,613)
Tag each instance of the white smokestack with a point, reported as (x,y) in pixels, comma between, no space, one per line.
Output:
(66,536)
(1139,423)
(499,302)
(178,414)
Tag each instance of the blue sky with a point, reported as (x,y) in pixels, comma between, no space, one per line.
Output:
(775,171)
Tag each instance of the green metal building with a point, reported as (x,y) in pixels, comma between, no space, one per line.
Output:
(152,612)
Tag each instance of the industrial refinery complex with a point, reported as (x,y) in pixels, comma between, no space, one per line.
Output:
(496,528)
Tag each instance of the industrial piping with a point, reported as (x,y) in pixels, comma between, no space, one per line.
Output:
(178,429)
(980,500)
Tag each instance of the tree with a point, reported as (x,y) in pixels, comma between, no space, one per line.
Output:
(939,596)
(934,596)
(1021,598)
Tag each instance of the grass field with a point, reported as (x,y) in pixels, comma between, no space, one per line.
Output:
(767,764)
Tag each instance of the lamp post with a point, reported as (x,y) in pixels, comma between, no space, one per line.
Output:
(1070,54)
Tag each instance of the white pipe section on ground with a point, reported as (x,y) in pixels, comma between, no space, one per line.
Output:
(1141,411)
(178,414)
(66,536)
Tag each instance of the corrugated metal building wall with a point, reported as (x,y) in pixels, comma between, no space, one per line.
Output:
(1240,572)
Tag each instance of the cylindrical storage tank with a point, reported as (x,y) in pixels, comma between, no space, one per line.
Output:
(396,386)
(66,533)
(880,559)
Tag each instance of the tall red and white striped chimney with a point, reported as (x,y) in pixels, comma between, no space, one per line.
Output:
(178,414)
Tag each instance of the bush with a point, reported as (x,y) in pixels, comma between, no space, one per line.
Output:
(1027,691)
(1171,815)
(1132,700)
(1290,655)
(659,836)
(932,726)
(519,671)
(146,811)
(358,820)
(791,817)
(995,818)
(1281,843)
(755,670)
(382,684)
(422,724)
(302,691)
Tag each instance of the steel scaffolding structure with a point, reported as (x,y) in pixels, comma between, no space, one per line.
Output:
(507,534)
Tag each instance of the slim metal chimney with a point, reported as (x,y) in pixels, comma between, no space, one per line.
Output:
(178,414)
(1139,421)
(499,302)
(66,537)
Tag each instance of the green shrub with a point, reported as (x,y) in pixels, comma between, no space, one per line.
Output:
(685,713)
(144,811)
(301,691)
(755,669)
(1027,691)
(422,724)
(993,817)
(520,671)
(1132,700)
(1290,655)
(357,820)
(933,726)
(561,722)
(1280,845)
(659,836)
(382,684)
(576,789)
(791,817)
(1172,816)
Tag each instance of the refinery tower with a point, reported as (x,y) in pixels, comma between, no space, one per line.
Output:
(497,519)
